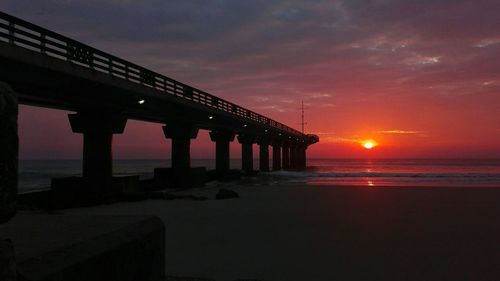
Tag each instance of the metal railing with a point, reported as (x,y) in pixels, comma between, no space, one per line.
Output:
(29,36)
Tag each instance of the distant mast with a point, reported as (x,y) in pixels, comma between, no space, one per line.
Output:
(302,123)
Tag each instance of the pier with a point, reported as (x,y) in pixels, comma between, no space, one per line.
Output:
(45,69)
(50,70)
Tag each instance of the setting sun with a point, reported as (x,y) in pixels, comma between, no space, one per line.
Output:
(369,144)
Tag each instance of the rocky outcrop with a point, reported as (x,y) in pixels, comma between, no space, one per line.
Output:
(8,152)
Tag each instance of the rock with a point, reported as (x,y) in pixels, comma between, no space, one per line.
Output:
(226,194)
(7,261)
(8,152)
(178,278)
(170,196)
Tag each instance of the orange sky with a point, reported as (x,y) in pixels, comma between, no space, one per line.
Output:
(419,77)
(46,134)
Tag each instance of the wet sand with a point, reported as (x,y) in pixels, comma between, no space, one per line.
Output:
(329,233)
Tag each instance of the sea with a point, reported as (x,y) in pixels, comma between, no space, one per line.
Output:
(36,175)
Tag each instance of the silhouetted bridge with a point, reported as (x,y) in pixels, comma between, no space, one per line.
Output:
(50,70)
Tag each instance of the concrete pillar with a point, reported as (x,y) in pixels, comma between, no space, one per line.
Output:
(181,175)
(304,156)
(222,140)
(264,155)
(8,153)
(293,156)
(296,156)
(298,153)
(181,135)
(301,153)
(246,142)
(286,155)
(98,129)
(276,156)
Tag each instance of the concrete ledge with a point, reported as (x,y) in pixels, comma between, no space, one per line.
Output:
(72,247)
(167,177)
(229,175)
(71,192)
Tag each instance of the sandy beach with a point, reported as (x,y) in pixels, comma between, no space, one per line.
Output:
(298,232)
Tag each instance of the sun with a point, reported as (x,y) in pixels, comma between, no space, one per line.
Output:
(369,144)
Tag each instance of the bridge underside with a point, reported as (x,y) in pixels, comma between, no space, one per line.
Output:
(48,82)
(98,97)
(49,70)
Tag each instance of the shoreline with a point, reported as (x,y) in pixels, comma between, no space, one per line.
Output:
(381,172)
(323,185)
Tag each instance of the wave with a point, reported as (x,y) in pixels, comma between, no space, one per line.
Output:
(492,176)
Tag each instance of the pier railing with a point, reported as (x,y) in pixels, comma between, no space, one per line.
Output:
(26,35)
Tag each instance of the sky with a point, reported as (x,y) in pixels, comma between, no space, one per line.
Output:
(420,77)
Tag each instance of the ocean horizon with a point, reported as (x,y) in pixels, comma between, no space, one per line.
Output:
(37,174)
